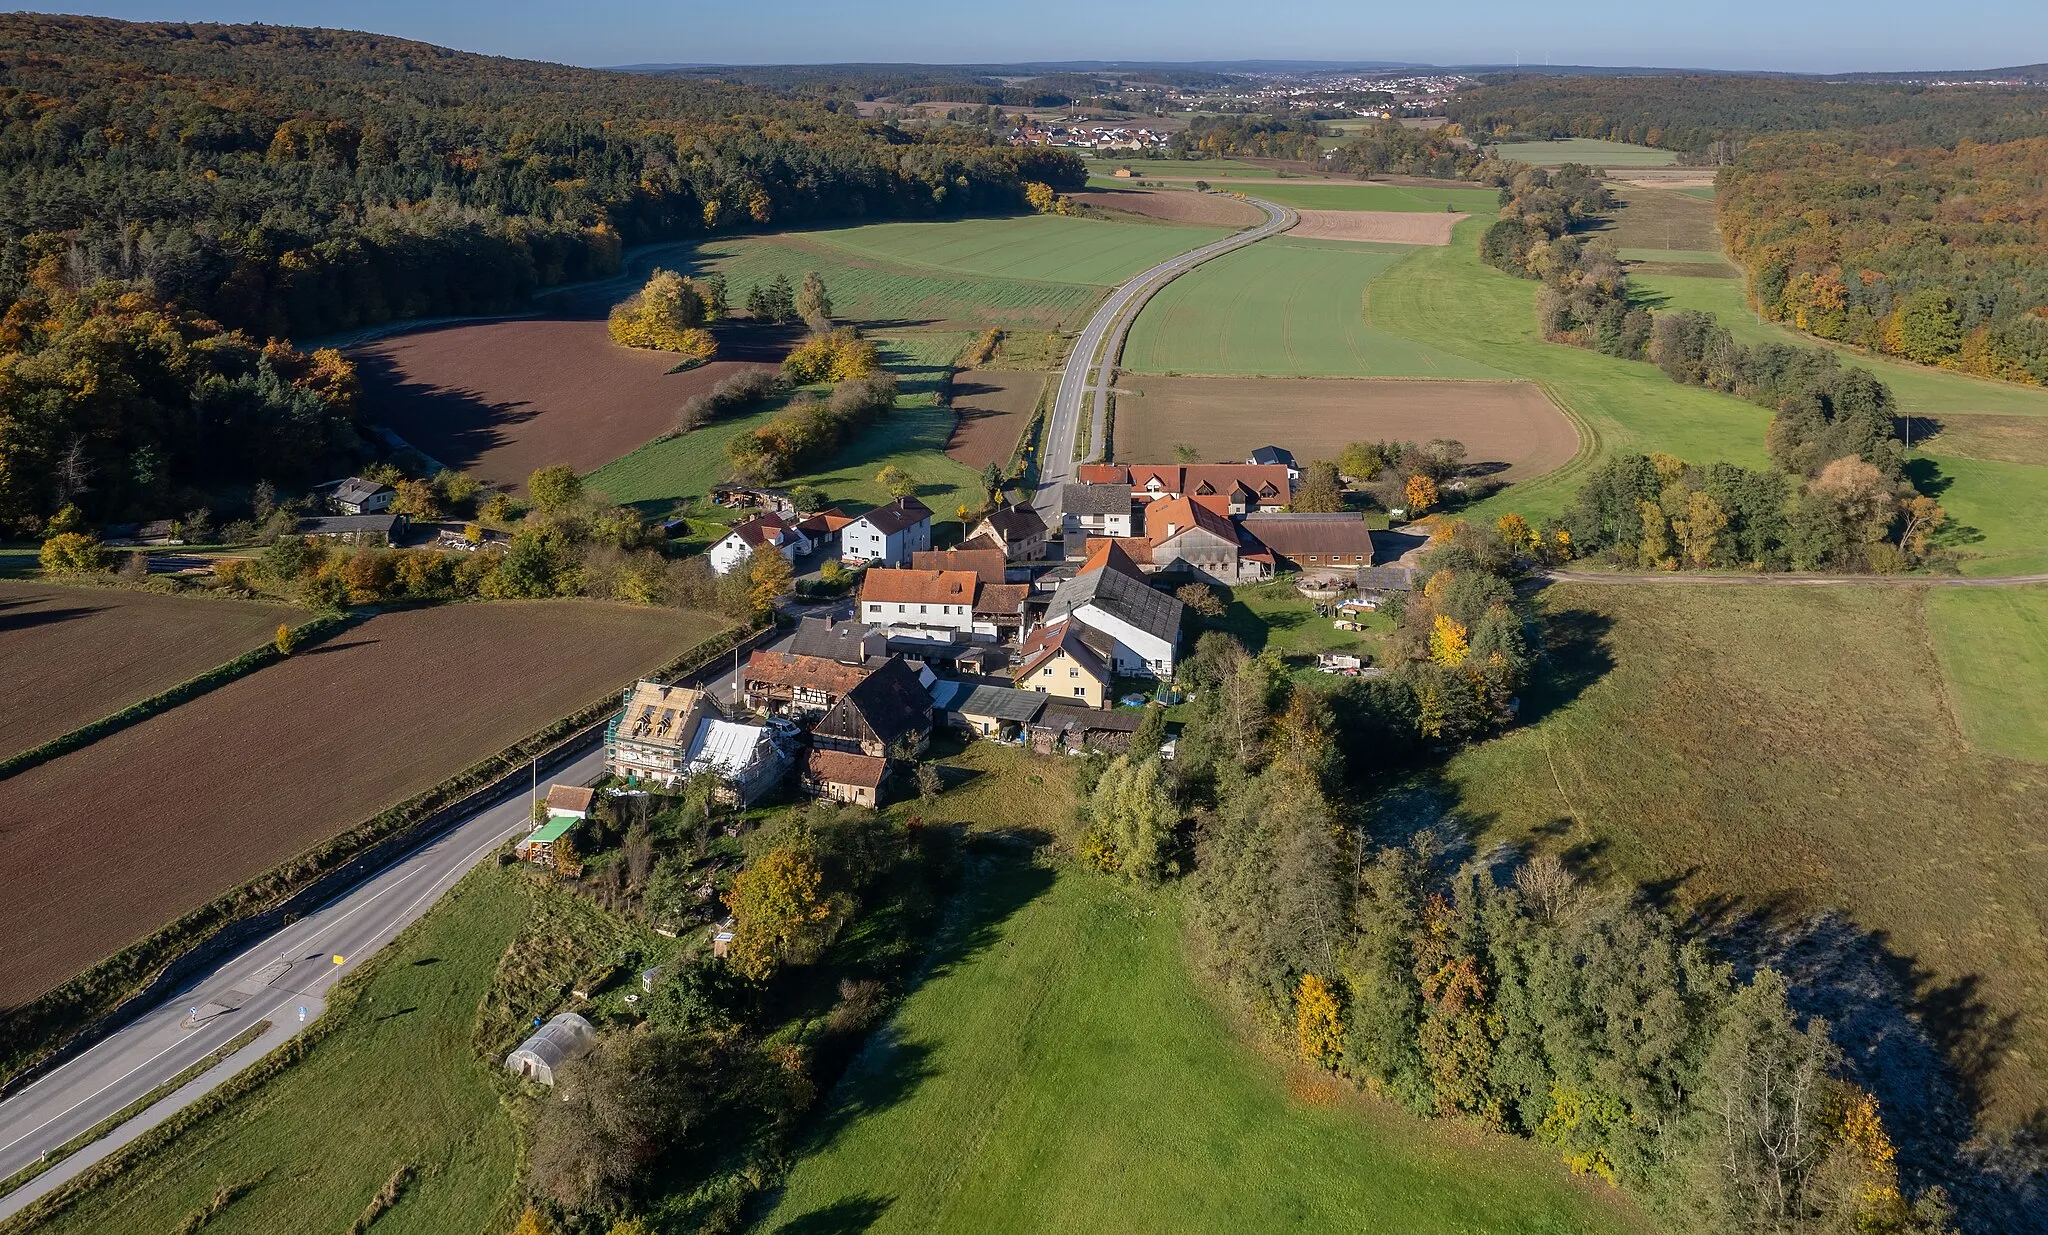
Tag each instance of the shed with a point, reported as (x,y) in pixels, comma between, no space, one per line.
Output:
(539,846)
(565,1038)
(569,801)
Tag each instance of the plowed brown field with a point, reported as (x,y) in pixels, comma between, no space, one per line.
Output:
(70,655)
(1226,418)
(500,399)
(1174,205)
(993,406)
(1383,226)
(110,842)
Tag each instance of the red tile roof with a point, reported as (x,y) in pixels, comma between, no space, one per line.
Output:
(929,587)
(986,564)
(812,672)
(838,767)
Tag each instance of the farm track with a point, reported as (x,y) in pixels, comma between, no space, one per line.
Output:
(1100,345)
(1790,580)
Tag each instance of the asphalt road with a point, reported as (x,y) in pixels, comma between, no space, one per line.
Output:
(1100,345)
(283,979)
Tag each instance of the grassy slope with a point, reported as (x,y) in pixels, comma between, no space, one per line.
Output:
(1060,1072)
(1993,647)
(913,438)
(1044,248)
(1288,308)
(396,1083)
(1446,297)
(1798,747)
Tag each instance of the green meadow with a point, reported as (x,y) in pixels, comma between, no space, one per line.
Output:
(1285,308)
(1061,1072)
(1993,648)
(1035,248)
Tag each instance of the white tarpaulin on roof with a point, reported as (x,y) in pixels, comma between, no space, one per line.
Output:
(724,747)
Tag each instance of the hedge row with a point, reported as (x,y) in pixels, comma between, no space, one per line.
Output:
(163,701)
(32,1034)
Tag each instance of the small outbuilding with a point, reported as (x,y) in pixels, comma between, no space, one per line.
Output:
(565,1038)
(569,801)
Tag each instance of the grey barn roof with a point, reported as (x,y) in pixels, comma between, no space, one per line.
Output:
(1116,593)
(349,525)
(1095,499)
(1001,702)
(1297,535)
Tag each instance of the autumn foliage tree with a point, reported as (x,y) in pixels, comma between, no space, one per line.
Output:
(668,314)
(781,914)
(1318,1025)
(1421,495)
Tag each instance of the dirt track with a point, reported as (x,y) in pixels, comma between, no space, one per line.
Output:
(108,843)
(1226,418)
(1382,226)
(992,405)
(1174,205)
(500,399)
(74,654)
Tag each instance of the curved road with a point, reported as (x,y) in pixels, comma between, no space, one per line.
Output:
(1100,345)
(283,979)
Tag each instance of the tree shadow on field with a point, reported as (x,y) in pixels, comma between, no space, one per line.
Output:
(847,1217)
(1574,655)
(45,617)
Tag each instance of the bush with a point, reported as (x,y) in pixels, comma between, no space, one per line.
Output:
(72,553)
(667,315)
(835,356)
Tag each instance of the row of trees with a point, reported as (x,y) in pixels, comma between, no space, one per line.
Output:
(810,429)
(1526,1004)
(1934,255)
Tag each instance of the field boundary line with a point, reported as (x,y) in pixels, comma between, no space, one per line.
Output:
(66,1019)
(305,634)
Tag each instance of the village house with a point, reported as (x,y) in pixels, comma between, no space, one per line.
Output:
(1018,529)
(981,557)
(1269,456)
(737,547)
(666,734)
(1110,596)
(1069,661)
(356,496)
(848,643)
(888,535)
(888,713)
(786,682)
(839,776)
(1190,536)
(936,605)
(1000,611)
(1086,510)
(1244,487)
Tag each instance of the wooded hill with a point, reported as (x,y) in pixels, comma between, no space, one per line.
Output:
(163,186)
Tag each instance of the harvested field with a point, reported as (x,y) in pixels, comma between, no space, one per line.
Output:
(2001,439)
(73,655)
(1595,151)
(993,406)
(1509,423)
(1383,226)
(1676,227)
(110,842)
(1174,206)
(500,399)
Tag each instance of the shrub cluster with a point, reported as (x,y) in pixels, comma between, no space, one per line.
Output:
(840,355)
(810,429)
(738,393)
(669,314)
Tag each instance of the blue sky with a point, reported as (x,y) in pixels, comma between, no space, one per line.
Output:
(1808,35)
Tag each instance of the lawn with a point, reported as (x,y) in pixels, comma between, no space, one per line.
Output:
(1033,248)
(1285,308)
(1274,616)
(1591,150)
(1794,748)
(1059,1072)
(75,655)
(394,1083)
(914,438)
(865,289)
(1993,648)
(1446,297)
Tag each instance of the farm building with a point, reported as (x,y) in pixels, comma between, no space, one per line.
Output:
(539,846)
(888,534)
(1018,529)
(1142,623)
(562,1040)
(379,531)
(987,711)
(981,557)
(356,496)
(888,712)
(1191,536)
(841,776)
(787,682)
(1062,727)
(1245,487)
(1314,543)
(999,611)
(570,801)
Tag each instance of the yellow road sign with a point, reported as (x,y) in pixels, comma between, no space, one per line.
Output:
(338,958)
